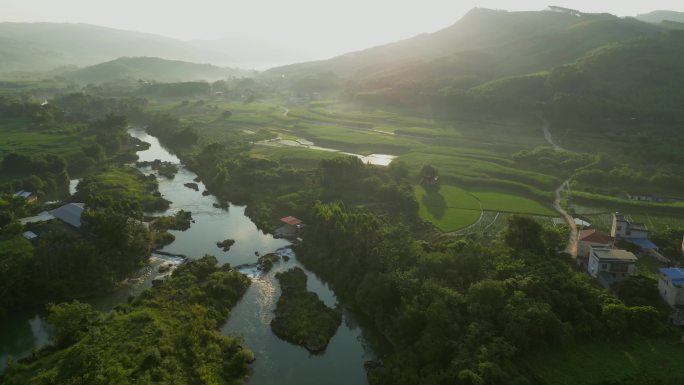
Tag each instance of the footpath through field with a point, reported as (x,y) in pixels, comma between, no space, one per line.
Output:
(571,248)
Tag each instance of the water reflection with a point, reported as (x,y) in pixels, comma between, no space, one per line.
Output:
(25,329)
(342,362)
(375,159)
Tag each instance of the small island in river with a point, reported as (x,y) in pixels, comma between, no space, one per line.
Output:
(301,317)
(225,244)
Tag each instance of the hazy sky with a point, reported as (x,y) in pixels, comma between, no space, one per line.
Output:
(324,26)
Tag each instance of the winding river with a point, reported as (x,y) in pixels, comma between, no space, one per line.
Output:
(276,360)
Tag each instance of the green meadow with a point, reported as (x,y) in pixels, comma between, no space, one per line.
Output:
(124,183)
(452,208)
(19,135)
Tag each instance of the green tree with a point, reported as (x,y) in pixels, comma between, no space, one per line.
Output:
(524,234)
(71,321)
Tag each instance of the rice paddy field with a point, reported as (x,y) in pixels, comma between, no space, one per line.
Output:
(452,208)
(478,175)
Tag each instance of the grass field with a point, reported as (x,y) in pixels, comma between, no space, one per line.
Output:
(509,203)
(452,208)
(298,157)
(449,208)
(124,183)
(594,363)
(16,135)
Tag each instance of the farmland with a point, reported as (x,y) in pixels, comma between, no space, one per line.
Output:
(19,136)
(473,158)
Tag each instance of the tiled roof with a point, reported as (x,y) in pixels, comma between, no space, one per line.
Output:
(615,254)
(292,221)
(595,236)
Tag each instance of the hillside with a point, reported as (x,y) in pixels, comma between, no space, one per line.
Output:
(41,47)
(484,44)
(660,16)
(151,69)
(44,46)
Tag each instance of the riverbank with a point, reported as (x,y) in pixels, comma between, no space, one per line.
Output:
(347,351)
(157,324)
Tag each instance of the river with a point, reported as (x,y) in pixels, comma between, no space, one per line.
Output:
(276,360)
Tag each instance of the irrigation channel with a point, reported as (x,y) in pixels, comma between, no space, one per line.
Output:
(276,360)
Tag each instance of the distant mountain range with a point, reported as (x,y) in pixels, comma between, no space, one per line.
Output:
(484,43)
(661,16)
(492,56)
(499,60)
(41,47)
(151,69)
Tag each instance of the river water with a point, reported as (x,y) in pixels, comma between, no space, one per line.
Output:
(277,361)
(374,159)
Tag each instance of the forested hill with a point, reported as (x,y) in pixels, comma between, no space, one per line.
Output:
(660,16)
(151,69)
(45,46)
(42,47)
(483,45)
(567,64)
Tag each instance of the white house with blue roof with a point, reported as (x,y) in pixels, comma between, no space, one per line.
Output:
(671,285)
(633,232)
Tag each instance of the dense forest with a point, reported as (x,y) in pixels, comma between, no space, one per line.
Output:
(166,335)
(462,312)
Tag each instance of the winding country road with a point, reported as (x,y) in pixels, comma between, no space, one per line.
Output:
(549,138)
(571,248)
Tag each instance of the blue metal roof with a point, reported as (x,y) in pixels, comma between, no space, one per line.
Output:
(644,243)
(674,273)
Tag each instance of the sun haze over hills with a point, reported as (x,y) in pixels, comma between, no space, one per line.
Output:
(341,192)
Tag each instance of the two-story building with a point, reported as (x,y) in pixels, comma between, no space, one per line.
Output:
(633,232)
(623,228)
(610,265)
(671,285)
(671,288)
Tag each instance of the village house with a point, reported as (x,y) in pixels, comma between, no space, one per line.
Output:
(69,214)
(28,196)
(610,265)
(671,288)
(586,239)
(645,198)
(671,285)
(290,229)
(632,232)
